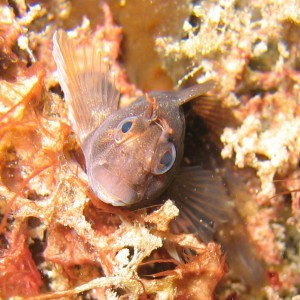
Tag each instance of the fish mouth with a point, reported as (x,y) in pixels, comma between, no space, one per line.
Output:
(111,188)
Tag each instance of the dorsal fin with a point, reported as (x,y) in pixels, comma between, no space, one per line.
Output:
(87,83)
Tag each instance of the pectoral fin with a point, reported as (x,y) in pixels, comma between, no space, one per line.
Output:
(202,200)
(207,211)
(87,83)
(240,253)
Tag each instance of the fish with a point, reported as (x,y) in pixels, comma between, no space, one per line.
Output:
(133,154)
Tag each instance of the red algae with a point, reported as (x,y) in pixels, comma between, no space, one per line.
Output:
(19,275)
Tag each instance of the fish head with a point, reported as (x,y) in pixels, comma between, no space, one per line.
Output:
(134,153)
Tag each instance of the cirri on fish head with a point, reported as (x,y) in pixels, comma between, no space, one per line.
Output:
(132,153)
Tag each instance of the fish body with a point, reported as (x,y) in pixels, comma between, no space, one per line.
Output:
(133,154)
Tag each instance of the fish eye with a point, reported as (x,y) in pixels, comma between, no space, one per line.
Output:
(126,126)
(164,159)
(123,128)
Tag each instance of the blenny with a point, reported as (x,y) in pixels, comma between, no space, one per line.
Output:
(133,154)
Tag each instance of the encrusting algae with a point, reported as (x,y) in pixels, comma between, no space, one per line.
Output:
(59,241)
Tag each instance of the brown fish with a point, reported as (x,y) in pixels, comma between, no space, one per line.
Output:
(133,154)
